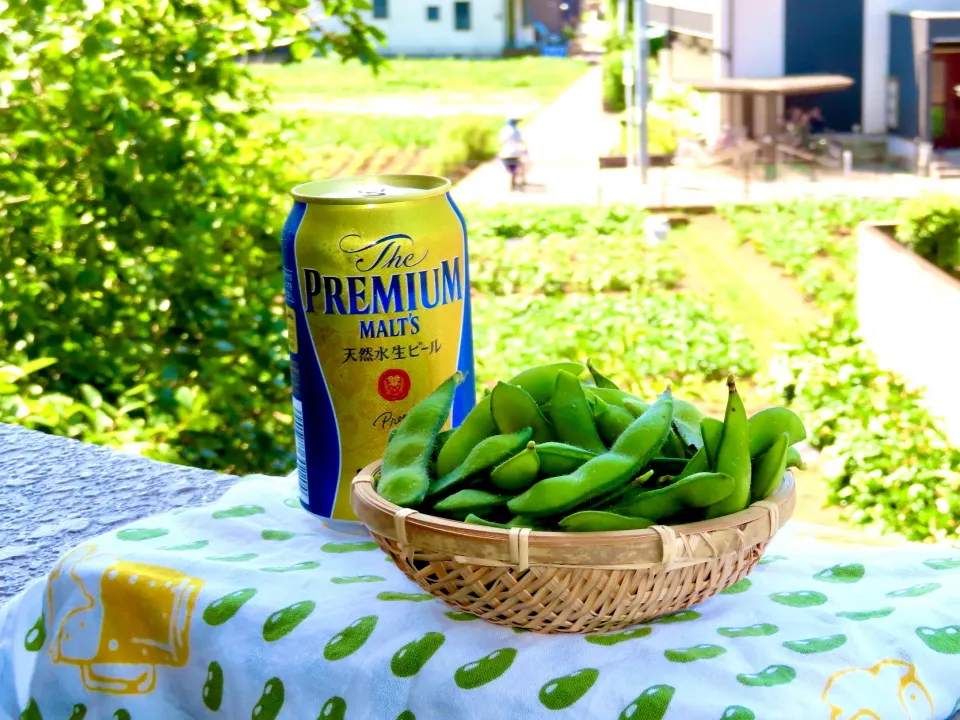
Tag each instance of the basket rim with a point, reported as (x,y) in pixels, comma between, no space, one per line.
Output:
(674,545)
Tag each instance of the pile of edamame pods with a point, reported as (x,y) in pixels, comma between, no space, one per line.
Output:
(561,447)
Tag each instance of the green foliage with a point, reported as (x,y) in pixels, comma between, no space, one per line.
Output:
(930,226)
(887,460)
(641,340)
(557,264)
(437,80)
(465,142)
(614,97)
(542,221)
(140,208)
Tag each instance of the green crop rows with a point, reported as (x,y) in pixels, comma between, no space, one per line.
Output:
(887,460)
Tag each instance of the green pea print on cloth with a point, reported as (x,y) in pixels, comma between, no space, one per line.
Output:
(252,608)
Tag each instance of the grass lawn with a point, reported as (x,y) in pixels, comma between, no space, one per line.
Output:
(477,81)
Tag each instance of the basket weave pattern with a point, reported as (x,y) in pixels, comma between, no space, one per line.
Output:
(569,582)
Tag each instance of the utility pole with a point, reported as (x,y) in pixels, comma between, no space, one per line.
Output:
(621,18)
(641,47)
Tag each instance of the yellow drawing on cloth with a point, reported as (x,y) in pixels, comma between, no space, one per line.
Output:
(120,629)
(886,685)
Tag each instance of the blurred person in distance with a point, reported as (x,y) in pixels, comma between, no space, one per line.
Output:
(513,152)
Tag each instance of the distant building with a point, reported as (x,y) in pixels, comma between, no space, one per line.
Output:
(903,55)
(462,28)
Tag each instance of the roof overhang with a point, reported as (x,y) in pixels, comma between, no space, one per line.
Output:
(786,85)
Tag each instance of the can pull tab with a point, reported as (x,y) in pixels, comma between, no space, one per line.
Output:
(372,192)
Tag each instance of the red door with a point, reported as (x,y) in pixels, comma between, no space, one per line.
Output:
(945,98)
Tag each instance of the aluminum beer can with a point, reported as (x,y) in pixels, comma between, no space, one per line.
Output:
(378,315)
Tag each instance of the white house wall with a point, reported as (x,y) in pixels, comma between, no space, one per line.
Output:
(410,33)
(876,56)
(758,38)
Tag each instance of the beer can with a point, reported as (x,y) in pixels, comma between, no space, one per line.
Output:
(378,315)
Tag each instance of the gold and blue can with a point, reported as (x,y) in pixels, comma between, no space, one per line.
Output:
(378,315)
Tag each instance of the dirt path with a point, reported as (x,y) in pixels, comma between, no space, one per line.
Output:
(748,290)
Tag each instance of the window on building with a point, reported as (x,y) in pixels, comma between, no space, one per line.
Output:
(433,13)
(461,19)
(380,9)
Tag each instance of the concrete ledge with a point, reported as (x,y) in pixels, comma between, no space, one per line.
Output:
(909,311)
(56,492)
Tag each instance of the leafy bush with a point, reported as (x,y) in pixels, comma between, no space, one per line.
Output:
(887,460)
(644,341)
(614,96)
(466,141)
(541,221)
(930,226)
(141,207)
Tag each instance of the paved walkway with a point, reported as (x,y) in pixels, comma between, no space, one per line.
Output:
(567,137)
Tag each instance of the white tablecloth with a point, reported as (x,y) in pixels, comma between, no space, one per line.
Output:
(251,608)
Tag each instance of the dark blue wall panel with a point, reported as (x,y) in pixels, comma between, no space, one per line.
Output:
(944,30)
(904,68)
(826,36)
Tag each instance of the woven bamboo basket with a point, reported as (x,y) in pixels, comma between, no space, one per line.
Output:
(556,582)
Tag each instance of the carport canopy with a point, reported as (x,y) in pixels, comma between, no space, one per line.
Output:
(771,89)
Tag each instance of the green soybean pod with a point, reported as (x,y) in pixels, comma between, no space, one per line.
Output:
(604,473)
(695,491)
(674,447)
(441,441)
(795,459)
(697,464)
(733,457)
(213,687)
(635,406)
(768,425)
(561,459)
(486,455)
(405,477)
(478,425)
(599,521)
(476,520)
(769,469)
(485,670)
(283,621)
(36,636)
(571,415)
(513,408)
(519,472)
(601,380)
(616,397)
(687,417)
(612,421)
(470,501)
(32,711)
(224,608)
(712,431)
(79,712)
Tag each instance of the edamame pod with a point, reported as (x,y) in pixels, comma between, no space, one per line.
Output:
(350,639)
(686,419)
(476,520)
(571,415)
(769,469)
(696,491)
(513,409)
(333,709)
(795,459)
(768,425)
(561,459)
(283,621)
(618,398)
(404,478)
(697,464)
(635,406)
(539,382)
(673,447)
(518,473)
(441,441)
(733,457)
(618,496)
(599,521)
(487,454)
(36,636)
(611,421)
(711,430)
(652,704)
(470,501)
(601,380)
(563,692)
(485,670)
(604,473)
